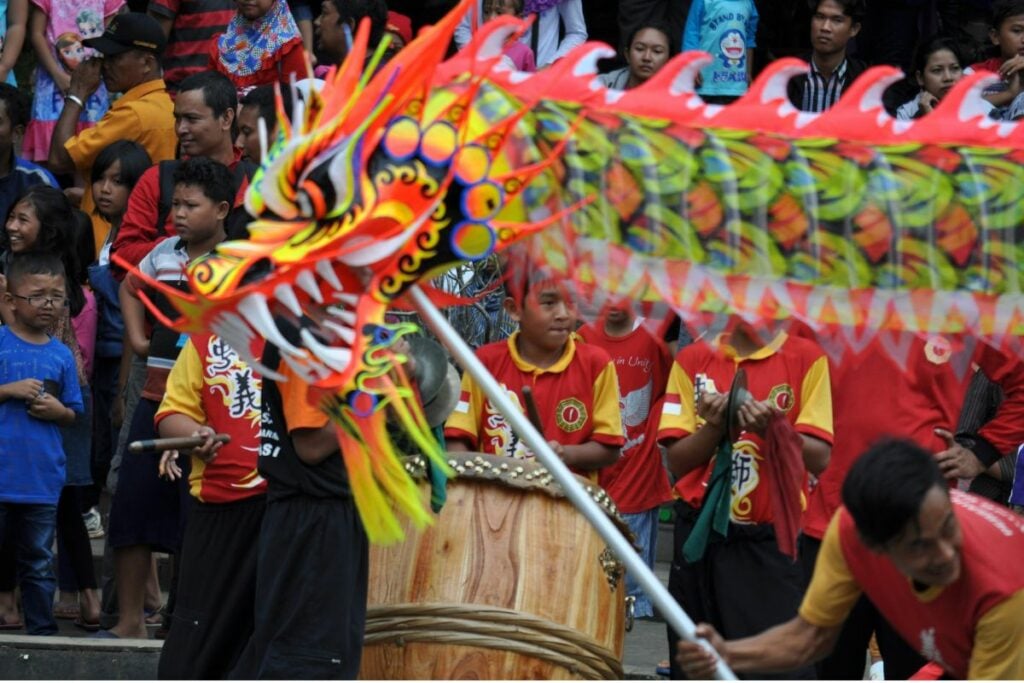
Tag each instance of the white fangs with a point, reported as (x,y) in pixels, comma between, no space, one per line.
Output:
(286,295)
(228,334)
(337,359)
(308,283)
(326,272)
(347,299)
(346,334)
(347,317)
(254,308)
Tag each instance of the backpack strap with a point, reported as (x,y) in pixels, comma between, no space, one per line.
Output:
(166,181)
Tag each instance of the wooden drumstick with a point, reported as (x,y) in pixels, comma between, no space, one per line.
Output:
(177,443)
(531,409)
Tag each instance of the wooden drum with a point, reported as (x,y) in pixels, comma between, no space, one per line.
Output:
(510,582)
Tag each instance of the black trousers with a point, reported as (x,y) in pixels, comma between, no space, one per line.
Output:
(216,597)
(311,584)
(742,586)
(74,551)
(846,662)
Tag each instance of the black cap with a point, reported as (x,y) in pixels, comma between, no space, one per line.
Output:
(130,31)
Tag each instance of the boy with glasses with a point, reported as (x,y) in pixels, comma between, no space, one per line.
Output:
(39,393)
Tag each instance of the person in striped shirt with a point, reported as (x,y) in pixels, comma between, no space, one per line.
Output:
(833,24)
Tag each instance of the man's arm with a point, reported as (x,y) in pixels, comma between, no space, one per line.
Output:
(998,651)
(313,446)
(592,455)
(573,24)
(84,81)
(785,647)
(134,313)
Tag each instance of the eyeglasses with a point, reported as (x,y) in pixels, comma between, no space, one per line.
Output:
(40,301)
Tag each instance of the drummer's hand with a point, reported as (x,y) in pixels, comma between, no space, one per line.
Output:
(711,408)
(696,660)
(403,348)
(955,461)
(755,416)
(558,448)
(208,451)
(169,468)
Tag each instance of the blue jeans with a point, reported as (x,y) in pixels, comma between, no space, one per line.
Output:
(33,527)
(644,526)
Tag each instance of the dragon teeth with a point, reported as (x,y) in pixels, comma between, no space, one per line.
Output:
(226,333)
(347,317)
(346,334)
(306,369)
(308,283)
(326,272)
(254,308)
(348,299)
(338,359)
(286,295)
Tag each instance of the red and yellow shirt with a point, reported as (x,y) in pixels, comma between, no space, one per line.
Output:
(213,386)
(790,372)
(972,628)
(577,398)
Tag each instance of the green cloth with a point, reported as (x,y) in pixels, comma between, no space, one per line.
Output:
(438,479)
(714,513)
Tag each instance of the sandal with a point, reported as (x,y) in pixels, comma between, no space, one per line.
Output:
(154,617)
(65,611)
(10,625)
(90,626)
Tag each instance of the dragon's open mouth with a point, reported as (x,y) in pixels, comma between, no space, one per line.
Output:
(311,319)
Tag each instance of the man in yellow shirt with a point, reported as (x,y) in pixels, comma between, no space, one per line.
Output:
(942,566)
(131,47)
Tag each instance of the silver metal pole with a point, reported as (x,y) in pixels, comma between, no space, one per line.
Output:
(675,616)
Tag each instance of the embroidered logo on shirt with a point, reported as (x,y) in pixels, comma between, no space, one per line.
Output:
(781,396)
(938,350)
(570,415)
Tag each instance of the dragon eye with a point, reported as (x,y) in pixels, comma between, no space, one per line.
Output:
(481,202)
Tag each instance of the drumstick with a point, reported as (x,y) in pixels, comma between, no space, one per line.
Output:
(177,443)
(531,409)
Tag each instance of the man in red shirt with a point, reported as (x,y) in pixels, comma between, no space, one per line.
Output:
(942,566)
(919,399)
(204,116)
(638,482)
(191,27)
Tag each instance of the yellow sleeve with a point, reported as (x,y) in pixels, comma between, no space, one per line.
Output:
(998,652)
(833,590)
(815,416)
(118,123)
(607,416)
(464,422)
(678,413)
(183,394)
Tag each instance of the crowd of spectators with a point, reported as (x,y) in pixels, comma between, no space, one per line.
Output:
(136,134)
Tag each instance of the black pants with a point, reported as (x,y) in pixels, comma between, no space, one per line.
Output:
(311,584)
(742,586)
(216,597)
(847,659)
(75,570)
(104,434)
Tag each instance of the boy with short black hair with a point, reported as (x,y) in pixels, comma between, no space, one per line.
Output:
(147,513)
(574,385)
(1007,34)
(39,393)
(833,24)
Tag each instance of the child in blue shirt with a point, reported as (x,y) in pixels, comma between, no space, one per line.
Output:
(39,394)
(727,30)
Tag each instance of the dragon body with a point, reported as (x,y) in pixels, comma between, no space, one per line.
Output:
(847,221)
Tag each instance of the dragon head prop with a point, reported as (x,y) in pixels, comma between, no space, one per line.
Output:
(395,172)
